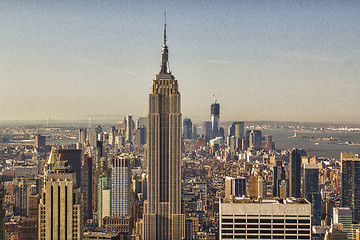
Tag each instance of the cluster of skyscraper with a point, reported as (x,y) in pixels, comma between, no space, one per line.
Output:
(92,186)
(128,134)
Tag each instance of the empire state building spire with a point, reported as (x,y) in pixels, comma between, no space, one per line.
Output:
(165,53)
(163,217)
(165,29)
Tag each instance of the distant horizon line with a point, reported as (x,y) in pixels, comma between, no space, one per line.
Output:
(194,121)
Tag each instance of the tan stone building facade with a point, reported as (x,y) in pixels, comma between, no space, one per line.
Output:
(163,218)
(60,210)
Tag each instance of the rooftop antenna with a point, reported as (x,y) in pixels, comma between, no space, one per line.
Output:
(165,52)
(215,100)
(165,28)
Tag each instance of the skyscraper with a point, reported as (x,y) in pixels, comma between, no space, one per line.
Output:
(98,172)
(163,218)
(129,129)
(194,132)
(278,177)
(140,136)
(232,144)
(98,131)
(235,187)
(87,186)
(73,158)
(236,130)
(142,121)
(40,141)
(207,131)
(336,232)
(92,137)
(350,184)
(32,202)
(187,128)
(112,134)
(82,136)
(311,190)
(255,139)
(21,199)
(215,115)
(60,207)
(103,183)
(294,174)
(120,186)
(344,215)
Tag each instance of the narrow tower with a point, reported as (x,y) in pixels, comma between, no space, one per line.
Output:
(163,218)
(295,174)
(215,115)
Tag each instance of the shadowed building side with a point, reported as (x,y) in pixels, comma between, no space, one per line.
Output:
(350,184)
(295,174)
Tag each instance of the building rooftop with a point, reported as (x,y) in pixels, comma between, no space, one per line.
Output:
(311,166)
(242,200)
(101,234)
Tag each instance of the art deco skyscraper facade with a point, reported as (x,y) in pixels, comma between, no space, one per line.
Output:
(60,208)
(163,218)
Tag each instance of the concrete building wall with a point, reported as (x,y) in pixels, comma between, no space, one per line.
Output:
(265,219)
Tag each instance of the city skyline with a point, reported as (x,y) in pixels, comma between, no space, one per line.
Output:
(295,61)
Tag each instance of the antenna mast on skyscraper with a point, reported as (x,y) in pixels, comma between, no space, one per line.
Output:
(215,101)
(165,28)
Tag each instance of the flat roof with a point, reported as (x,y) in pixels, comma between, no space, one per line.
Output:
(242,200)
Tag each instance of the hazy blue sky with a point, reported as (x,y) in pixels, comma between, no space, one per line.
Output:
(264,60)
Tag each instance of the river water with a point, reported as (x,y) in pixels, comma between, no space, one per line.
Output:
(283,140)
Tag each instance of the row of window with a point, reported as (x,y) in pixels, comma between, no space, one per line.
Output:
(263,237)
(265,226)
(242,220)
(263,216)
(225,231)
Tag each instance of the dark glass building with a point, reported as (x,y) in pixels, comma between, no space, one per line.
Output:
(187,128)
(350,185)
(295,174)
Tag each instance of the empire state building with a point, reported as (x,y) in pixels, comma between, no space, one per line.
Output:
(163,218)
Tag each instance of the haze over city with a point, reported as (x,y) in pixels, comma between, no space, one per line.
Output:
(263,60)
(169,120)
